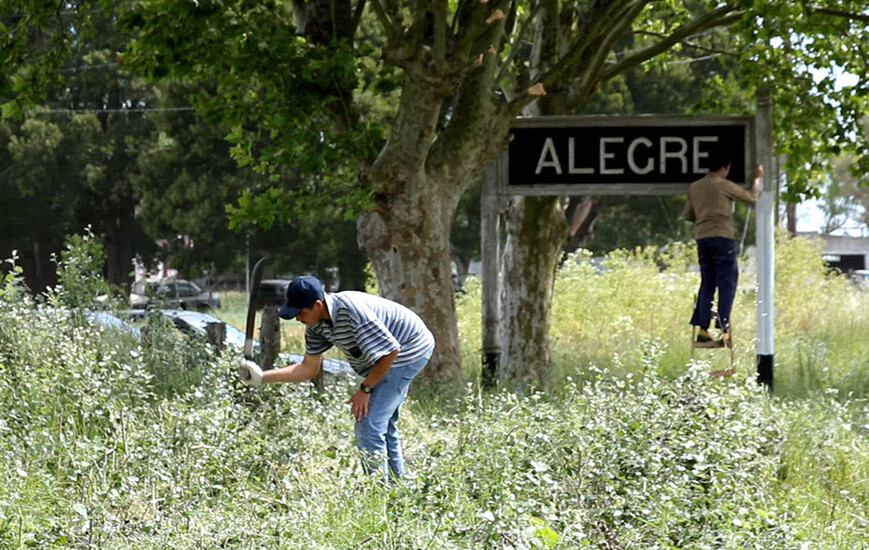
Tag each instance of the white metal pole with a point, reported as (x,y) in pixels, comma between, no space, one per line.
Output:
(765,243)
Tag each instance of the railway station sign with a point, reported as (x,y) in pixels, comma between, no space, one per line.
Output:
(629,155)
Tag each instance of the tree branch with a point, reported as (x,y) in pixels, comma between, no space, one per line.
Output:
(382,16)
(439,31)
(720,17)
(592,74)
(517,43)
(851,15)
(615,15)
(688,43)
(416,33)
(357,15)
(342,19)
(478,24)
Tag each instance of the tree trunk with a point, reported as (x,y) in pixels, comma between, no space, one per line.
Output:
(119,248)
(582,213)
(536,232)
(44,274)
(791,210)
(410,251)
(418,181)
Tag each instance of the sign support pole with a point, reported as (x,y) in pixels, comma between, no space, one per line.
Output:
(765,244)
(491,256)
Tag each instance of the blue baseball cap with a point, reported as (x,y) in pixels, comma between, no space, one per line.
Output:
(301,293)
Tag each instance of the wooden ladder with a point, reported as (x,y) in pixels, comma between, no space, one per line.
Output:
(715,344)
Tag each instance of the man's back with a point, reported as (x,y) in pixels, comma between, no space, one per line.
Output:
(710,205)
(366,327)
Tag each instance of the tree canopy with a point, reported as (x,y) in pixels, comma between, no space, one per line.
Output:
(85,142)
(293,82)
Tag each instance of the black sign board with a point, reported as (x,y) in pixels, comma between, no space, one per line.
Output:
(623,155)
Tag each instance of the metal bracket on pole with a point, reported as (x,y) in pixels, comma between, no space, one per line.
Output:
(765,243)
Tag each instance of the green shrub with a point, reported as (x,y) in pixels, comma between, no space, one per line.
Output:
(820,320)
(79,273)
(111,442)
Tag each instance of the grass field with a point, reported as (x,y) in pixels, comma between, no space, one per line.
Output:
(108,442)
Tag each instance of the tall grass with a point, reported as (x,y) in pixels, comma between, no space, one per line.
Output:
(632,314)
(115,443)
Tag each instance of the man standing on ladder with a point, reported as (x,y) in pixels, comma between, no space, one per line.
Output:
(710,207)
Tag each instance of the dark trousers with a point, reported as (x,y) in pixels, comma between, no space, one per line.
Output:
(718,270)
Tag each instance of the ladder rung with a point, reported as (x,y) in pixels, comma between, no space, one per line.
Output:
(713,344)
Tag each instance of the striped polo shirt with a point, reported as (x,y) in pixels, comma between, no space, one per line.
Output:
(366,327)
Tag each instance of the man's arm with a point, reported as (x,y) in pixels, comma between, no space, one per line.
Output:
(359,400)
(378,371)
(750,196)
(688,211)
(297,372)
(758,174)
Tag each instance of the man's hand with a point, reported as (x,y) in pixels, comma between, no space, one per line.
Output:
(758,171)
(359,404)
(250,373)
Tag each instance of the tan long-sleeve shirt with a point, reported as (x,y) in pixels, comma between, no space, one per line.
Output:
(710,205)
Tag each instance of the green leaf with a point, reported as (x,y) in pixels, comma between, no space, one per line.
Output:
(80,509)
(12,110)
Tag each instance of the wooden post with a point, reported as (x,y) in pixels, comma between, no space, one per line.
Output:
(270,337)
(491,259)
(215,334)
(318,380)
(765,242)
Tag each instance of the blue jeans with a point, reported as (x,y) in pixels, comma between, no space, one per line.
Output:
(718,270)
(377,434)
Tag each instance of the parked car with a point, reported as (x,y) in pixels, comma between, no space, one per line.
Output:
(113,322)
(195,323)
(175,293)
